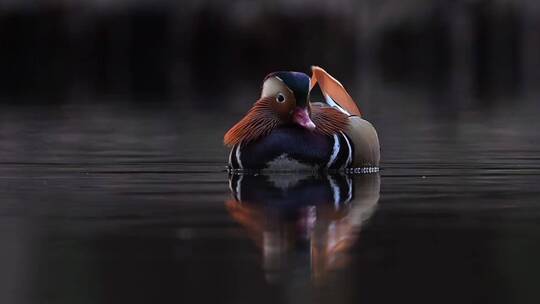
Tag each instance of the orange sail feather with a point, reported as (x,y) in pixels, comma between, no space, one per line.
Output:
(332,88)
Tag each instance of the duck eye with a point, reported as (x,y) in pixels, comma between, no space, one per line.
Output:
(280,98)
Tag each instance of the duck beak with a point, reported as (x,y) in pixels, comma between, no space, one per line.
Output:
(301,117)
(333,91)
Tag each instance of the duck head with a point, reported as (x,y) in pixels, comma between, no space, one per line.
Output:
(284,101)
(290,91)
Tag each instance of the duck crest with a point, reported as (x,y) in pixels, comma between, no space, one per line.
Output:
(259,121)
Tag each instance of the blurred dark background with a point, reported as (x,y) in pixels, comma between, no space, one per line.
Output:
(112,182)
(63,51)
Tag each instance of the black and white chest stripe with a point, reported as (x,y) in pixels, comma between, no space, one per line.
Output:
(342,152)
(339,157)
(235,161)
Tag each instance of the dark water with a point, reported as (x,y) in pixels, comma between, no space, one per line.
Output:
(107,202)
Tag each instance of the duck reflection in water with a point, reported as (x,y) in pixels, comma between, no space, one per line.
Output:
(303,223)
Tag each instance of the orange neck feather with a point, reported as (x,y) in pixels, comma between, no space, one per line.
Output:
(328,120)
(259,121)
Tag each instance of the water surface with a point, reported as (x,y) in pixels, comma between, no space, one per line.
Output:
(116,203)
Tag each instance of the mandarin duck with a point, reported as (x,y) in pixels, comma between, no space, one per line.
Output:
(285,131)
